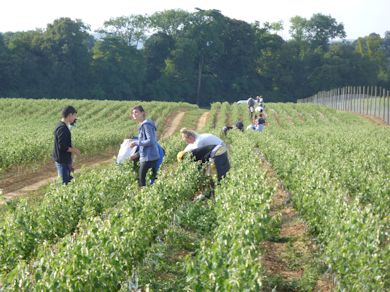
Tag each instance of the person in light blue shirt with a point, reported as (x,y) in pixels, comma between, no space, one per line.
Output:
(147,142)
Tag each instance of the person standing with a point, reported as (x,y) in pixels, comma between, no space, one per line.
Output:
(63,149)
(147,142)
(251,107)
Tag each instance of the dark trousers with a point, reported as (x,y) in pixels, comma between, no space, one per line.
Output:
(222,165)
(144,166)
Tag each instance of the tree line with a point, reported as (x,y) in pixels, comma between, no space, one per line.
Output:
(198,57)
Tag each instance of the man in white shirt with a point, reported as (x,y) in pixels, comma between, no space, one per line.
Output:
(206,147)
(195,140)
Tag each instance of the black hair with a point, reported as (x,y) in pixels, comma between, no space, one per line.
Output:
(139,108)
(68,110)
(240,125)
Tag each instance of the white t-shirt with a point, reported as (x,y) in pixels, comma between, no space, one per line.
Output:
(203,140)
(259,109)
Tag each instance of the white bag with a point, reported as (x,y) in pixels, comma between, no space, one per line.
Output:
(125,151)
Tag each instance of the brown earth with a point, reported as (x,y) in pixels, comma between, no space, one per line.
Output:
(202,121)
(292,235)
(18,182)
(276,117)
(375,120)
(172,123)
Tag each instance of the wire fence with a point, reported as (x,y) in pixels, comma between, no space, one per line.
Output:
(367,100)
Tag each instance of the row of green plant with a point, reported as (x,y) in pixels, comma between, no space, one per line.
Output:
(60,212)
(61,209)
(104,250)
(337,173)
(231,259)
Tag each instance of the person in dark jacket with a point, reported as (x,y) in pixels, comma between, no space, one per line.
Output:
(147,142)
(63,149)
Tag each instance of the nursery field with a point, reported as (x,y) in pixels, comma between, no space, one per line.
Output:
(27,126)
(103,233)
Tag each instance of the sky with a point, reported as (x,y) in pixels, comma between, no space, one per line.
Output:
(359,17)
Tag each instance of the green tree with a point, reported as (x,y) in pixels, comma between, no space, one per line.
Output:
(373,48)
(342,66)
(117,70)
(132,29)
(235,69)
(66,43)
(30,68)
(318,30)
(170,22)
(156,51)
(5,68)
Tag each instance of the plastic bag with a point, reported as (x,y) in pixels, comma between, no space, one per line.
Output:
(125,151)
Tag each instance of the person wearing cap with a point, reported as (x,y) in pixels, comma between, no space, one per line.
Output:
(147,142)
(206,148)
(63,149)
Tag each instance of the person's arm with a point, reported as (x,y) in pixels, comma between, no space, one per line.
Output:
(74,150)
(150,136)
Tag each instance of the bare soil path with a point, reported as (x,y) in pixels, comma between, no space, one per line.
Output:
(288,257)
(375,120)
(172,123)
(202,121)
(17,183)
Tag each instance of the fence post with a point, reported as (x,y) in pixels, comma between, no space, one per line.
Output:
(375,98)
(360,98)
(388,107)
(343,99)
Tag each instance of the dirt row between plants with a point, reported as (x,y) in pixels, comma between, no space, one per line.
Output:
(172,124)
(21,181)
(202,121)
(374,120)
(287,256)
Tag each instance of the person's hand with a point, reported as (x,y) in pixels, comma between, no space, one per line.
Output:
(75,151)
(132,144)
(133,156)
(180,156)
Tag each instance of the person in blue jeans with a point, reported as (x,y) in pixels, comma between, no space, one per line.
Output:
(147,142)
(63,149)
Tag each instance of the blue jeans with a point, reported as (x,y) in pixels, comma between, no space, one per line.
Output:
(63,171)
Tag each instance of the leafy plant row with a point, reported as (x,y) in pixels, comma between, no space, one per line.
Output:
(341,185)
(104,250)
(60,212)
(230,260)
